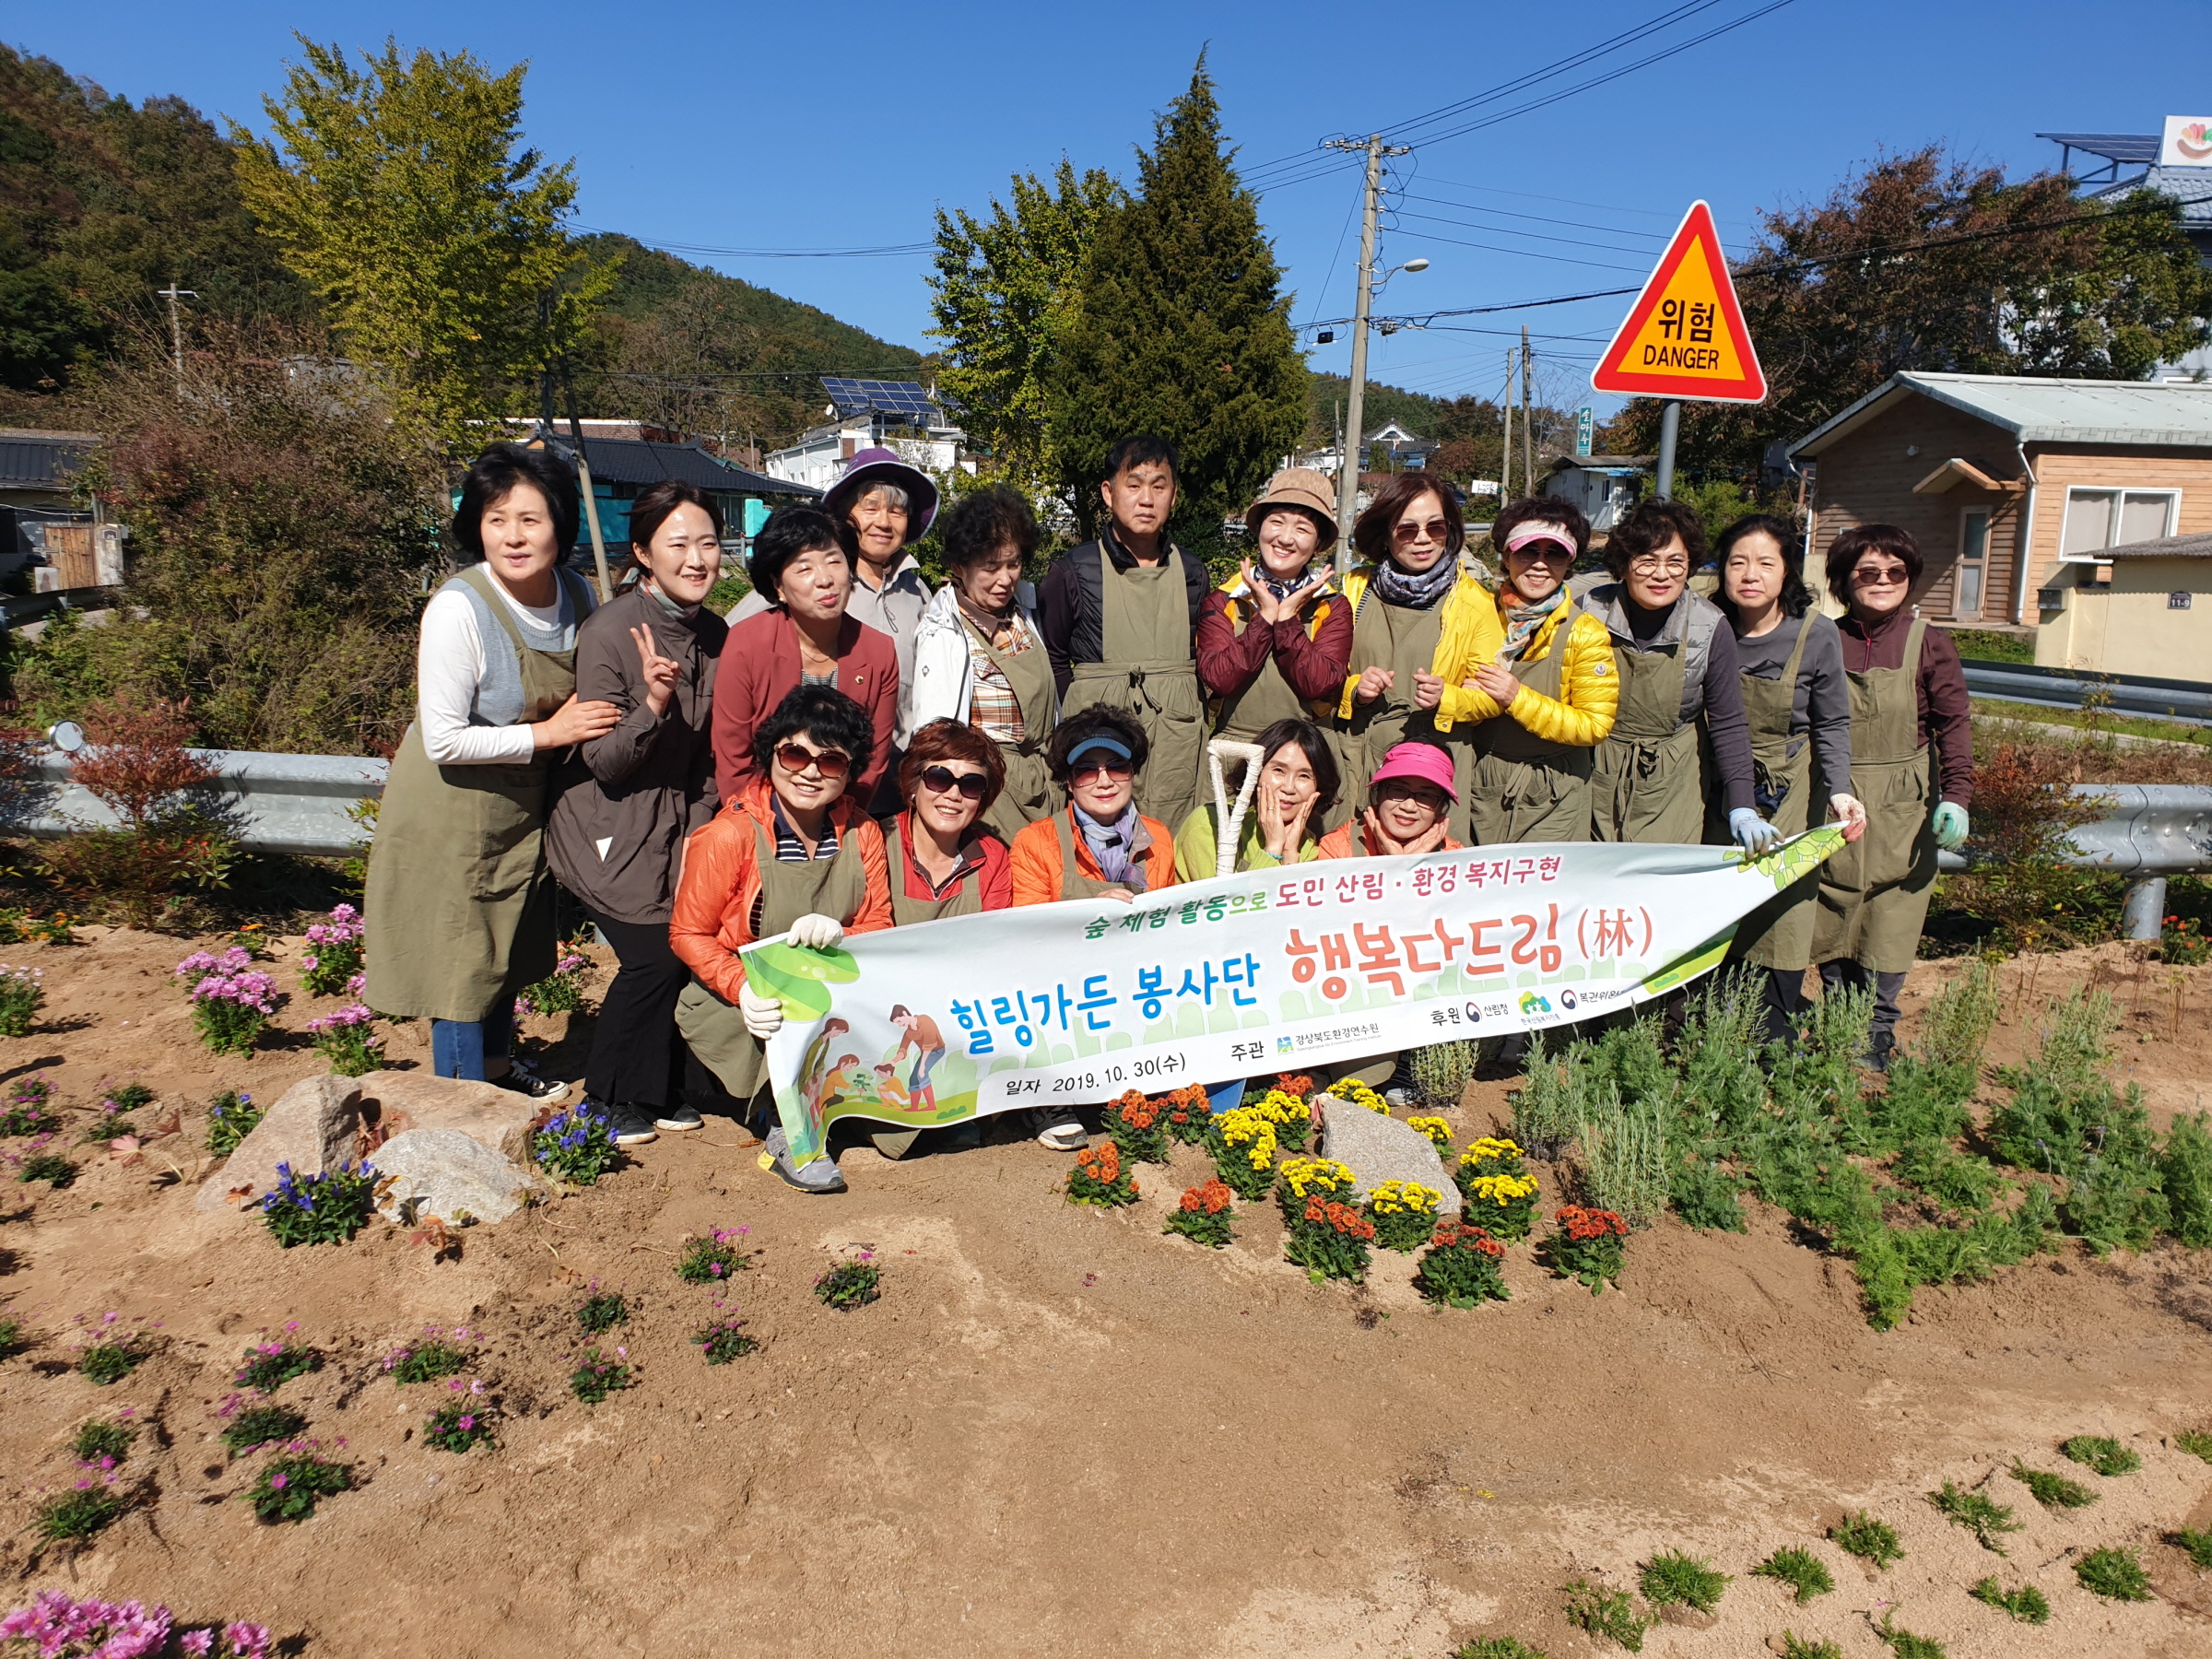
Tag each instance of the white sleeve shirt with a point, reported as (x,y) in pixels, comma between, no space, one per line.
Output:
(449,668)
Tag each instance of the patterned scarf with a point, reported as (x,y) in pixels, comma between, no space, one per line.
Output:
(1522,620)
(1416,593)
(1110,845)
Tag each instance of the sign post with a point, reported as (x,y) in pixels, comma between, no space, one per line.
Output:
(1684,338)
(1585,429)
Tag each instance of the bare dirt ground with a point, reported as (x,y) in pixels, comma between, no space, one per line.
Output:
(1061,1432)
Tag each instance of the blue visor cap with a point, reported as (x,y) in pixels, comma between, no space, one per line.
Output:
(1112,746)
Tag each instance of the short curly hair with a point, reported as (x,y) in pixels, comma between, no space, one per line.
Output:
(825,715)
(1096,722)
(943,740)
(988,520)
(1650,525)
(789,531)
(1847,549)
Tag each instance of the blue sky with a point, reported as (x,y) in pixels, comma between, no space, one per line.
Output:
(753,127)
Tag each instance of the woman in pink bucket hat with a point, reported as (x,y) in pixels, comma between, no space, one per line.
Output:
(1409,802)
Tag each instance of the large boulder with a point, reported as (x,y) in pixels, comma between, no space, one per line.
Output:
(1378,1148)
(313,1126)
(451,1176)
(397,1102)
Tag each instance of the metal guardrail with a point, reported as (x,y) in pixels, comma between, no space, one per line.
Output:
(2151,832)
(2187,701)
(274,803)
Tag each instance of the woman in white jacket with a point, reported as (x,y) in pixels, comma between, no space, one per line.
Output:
(979,659)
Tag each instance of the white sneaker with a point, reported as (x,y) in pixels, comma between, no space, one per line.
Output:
(1060,1134)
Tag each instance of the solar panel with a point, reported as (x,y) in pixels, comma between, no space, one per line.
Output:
(2126,148)
(892,397)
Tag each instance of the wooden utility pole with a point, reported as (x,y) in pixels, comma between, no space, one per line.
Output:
(584,476)
(172,293)
(1528,429)
(1348,478)
(1505,451)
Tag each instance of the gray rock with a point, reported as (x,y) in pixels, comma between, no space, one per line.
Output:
(313,1127)
(396,1102)
(451,1176)
(1378,1148)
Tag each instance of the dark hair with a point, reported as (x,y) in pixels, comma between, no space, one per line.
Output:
(823,713)
(1371,535)
(1796,598)
(1650,527)
(1845,551)
(1308,737)
(789,531)
(987,520)
(1143,451)
(655,502)
(1542,509)
(492,477)
(943,740)
(1098,721)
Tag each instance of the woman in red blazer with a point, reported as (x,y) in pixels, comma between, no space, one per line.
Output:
(804,637)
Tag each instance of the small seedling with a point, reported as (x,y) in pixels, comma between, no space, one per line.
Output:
(1794,1646)
(2198,1443)
(11,1336)
(97,1440)
(1905,1644)
(51,1167)
(457,1427)
(29,1109)
(711,1260)
(2116,1574)
(261,1426)
(2197,1545)
(1872,1541)
(603,1312)
(1803,1571)
(849,1284)
(1978,1512)
(1606,1613)
(270,1365)
(109,1362)
(2052,1491)
(78,1514)
(1497,1647)
(289,1487)
(426,1361)
(722,1341)
(2103,1453)
(230,1118)
(1672,1577)
(598,1376)
(2026,1604)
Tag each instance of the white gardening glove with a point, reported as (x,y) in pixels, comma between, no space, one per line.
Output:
(1753,833)
(817,932)
(763,1014)
(1851,812)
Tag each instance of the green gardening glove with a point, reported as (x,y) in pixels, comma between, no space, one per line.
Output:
(1951,827)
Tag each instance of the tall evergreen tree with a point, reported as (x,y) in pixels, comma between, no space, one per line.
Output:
(1182,331)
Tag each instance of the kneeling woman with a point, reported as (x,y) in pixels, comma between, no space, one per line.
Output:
(793,853)
(1297,789)
(1410,806)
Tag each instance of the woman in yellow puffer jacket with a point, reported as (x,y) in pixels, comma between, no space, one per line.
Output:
(1549,696)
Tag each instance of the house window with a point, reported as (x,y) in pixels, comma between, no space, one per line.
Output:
(2098,519)
(1973,562)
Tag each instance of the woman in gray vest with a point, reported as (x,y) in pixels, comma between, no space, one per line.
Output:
(460,899)
(1675,660)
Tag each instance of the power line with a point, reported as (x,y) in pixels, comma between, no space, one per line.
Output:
(1567,242)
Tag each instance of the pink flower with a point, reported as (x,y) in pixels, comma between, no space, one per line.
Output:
(278,1482)
(196,1642)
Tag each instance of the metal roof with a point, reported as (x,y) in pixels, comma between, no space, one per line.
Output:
(2141,413)
(35,460)
(2164,546)
(635,461)
(2192,186)
(2127,148)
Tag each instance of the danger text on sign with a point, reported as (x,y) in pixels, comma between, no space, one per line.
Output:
(1685,335)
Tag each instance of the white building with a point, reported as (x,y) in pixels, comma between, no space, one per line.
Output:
(899,415)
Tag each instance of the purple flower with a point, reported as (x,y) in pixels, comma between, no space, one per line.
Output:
(196,1642)
(278,1482)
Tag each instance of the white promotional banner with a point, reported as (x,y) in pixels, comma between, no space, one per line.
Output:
(1276,970)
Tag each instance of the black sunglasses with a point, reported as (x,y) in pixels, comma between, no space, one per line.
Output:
(942,778)
(1116,769)
(832,763)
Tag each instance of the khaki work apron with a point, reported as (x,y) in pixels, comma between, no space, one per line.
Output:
(1645,781)
(1780,933)
(1030,793)
(830,886)
(1403,640)
(1525,788)
(967,900)
(1149,672)
(459,906)
(1269,697)
(1074,884)
(1875,891)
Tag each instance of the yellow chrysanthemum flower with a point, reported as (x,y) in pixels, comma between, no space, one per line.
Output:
(1325,1176)
(1403,1197)
(1435,1128)
(1501,1189)
(1489,1147)
(1359,1094)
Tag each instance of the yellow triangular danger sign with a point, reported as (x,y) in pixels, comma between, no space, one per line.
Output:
(1685,335)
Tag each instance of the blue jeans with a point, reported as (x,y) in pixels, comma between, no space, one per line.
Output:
(460,1047)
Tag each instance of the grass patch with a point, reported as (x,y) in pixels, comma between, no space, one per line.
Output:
(1905,1644)
(2052,1491)
(97,1440)
(1498,1647)
(603,1312)
(1673,1578)
(1871,1541)
(1606,1613)
(2026,1604)
(2113,1573)
(2103,1453)
(2196,1546)
(428,1361)
(1978,1512)
(2196,1442)
(261,1426)
(289,1487)
(76,1514)
(1794,1646)
(1806,1574)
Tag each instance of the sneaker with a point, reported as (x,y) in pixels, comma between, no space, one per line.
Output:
(628,1125)
(817,1175)
(523,1078)
(679,1119)
(1060,1134)
(1399,1099)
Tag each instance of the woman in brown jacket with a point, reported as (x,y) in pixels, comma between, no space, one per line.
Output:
(616,837)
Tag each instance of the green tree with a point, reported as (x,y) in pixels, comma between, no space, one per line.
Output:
(1003,295)
(399,193)
(1183,330)
(2108,294)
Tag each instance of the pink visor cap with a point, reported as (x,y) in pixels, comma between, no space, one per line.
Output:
(1536,530)
(1424,761)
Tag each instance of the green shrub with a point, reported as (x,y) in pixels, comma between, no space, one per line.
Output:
(2185,1173)
(721,1340)
(1977,1512)
(2052,1491)
(2026,1604)
(1672,1578)
(231,1116)
(78,1514)
(97,1440)
(713,1259)
(1442,1071)
(289,1487)
(602,1312)
(109,1361)
(1806,1574)
(1606,1613)
(261,1426)
(1959,1181)
(1871,1541)
(51,1167)
(1705,1197)
(270,1365)
(326,1208)
(1921,1103)
(2103,1453)
(458,1426)
(1623,1146)
(2196,1546)
(596,1376)
(849,1284)
(429,1361)
(2115,1573)
(1905,1644)
(1720,1045)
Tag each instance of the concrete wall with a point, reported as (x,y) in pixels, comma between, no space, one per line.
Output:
(2129,626)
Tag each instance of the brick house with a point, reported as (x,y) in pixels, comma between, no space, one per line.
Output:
(1978,466)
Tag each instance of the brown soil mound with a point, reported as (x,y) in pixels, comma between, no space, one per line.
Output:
(1060,1432)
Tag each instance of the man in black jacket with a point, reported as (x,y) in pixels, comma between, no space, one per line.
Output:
(1120,619)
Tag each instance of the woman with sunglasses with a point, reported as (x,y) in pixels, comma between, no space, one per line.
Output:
(1679,692)
(944,861)
(1550,697)
(1419,623)
(793,852)
(1798,704)
(1908,690)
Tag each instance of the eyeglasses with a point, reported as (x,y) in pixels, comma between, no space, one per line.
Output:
(1651,564)
(943,778)
(1407,530)
(1890,576)
(831,763)
(1082,771)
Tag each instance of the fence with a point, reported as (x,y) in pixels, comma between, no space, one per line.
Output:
(2187,701)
